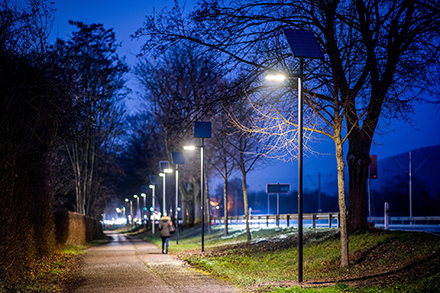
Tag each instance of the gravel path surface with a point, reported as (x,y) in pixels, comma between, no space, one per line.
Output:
(132,265)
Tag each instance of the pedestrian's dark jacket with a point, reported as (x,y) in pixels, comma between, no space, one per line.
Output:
(164,226)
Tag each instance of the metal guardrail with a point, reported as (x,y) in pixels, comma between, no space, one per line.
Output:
(428,220)
(258,219)
(261,219)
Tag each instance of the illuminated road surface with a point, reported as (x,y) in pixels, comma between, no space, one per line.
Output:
(132,265)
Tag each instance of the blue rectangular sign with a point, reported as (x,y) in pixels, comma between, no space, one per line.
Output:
(277,188)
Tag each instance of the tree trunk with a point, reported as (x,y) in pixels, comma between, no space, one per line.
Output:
(184,211)
(207,205)
(225,200)
(85,158)
(74,161)
(90,193)
(187,204)
(358,160)
(246,208)
(197,202)
(341,202)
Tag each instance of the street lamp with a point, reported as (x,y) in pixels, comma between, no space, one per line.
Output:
(276,77)
(131,211)
(178,159)
(202,130)
(163,175)
(137,206)
(153,196)
(202,189)
(303,45)
(144,218)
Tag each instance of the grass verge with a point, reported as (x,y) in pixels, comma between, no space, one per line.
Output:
(380,261)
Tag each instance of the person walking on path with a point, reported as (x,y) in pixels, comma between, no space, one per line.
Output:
(166,229)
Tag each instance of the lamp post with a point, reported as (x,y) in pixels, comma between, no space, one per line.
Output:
(163,175)
(202,189)
(153,196)
(144,218)
(202,130)
(178,159)
(154,181)
(131,210)
(303,45)
(137,205)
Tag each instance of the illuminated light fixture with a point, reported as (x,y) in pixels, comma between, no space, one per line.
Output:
(189,148)
(276,77)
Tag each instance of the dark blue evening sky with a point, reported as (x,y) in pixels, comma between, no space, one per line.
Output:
(127,16)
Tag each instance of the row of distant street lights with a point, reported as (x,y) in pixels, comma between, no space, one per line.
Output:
(202,130)
(137,210)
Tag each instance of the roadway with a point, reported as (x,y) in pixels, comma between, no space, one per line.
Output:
(129,264)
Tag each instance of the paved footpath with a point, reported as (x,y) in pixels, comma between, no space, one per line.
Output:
(132,265)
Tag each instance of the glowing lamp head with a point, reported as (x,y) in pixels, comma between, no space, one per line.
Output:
(276,77)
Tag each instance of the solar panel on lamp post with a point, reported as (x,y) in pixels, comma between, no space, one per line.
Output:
(303,45)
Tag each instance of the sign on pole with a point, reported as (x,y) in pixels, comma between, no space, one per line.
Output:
(277,188)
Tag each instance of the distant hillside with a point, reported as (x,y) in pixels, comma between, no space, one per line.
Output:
(425,170)
(392,184)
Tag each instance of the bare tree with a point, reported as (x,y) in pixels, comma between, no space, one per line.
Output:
(247,150)
(179,88)
(223,162)
(243,34)
(371,49)
(30,23)
(95,73)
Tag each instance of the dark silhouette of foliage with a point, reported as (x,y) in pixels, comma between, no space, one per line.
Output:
(29,119)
